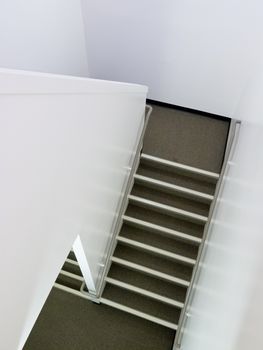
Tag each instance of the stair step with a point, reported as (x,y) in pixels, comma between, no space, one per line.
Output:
(176,223)
(155,250)
(174,177)
(147,282)
(72,256)
(155,262)
(71,275)
(178,166)
(72,262)
(159,241)
(142,303)
(144,292)
(171,188)
(150,271)
(167,209)
(72,266)
(73,291)
(138,313)
(160,229)
(173,200)
(68,281)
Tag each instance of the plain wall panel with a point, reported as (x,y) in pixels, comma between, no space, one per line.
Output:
(196,54)
(43,35)
(66,146)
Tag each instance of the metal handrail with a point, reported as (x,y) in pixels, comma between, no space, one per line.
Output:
(230,147)
(123,205)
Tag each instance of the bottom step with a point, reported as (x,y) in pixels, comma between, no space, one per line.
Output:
(78,293)
(142,305)
(118,306)
(144,292)
(139,313)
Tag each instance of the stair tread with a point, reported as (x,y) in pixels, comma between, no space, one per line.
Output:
(154,262)
(171,199)
(167,209)
(159,241)
(168,187)
(138,313)
(68,282)
(72,275)
(72,267)
(175,165)
(149,271)
(150,227)
(72,256)
(147,282)
(170,176)
(154,250)
(141,303)
(144,292)
(168,221)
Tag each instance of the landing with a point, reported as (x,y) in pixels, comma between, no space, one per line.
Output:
(187,138)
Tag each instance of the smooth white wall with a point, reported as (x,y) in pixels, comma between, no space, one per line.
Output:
(197,54)
(65,147)
(227,308)
(43,35)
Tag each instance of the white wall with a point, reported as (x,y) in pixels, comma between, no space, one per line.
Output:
(43,35)
(192,53)
(65,145)
(227,308)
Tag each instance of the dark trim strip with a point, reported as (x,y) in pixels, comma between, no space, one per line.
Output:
(189,110)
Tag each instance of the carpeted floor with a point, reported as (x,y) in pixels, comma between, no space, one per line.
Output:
(68,322)
(186,138)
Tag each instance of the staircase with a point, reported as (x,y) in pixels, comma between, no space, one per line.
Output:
(163,225)
(158,243)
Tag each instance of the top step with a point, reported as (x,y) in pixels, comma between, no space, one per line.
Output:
(159,162)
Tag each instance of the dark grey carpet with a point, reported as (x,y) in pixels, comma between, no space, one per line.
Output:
(142,303)
(152,261)
(186,138)
(156,285)
(171,199)
(179,180)
(68,322)
(159,241)
(165,220)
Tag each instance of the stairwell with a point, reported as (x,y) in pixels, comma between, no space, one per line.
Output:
(158,243)
(163,225)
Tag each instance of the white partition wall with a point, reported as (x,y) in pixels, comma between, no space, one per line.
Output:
(44,36)
(227,309)
(197,54)
(66,145)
